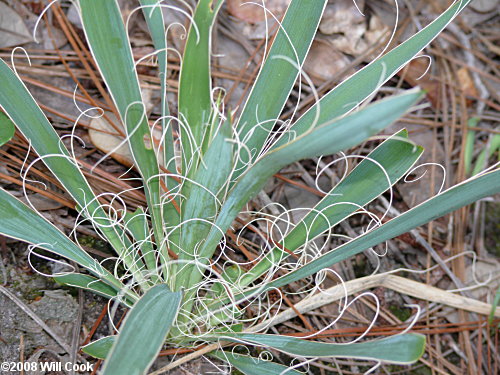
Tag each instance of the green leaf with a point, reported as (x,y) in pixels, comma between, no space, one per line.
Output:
(87,282)
(229,328)
(401,349)
(143,332)
(7,129)
(18,103)
(153,15)
(137,224)
(469,144)
(205,197)
(279,72)
(367,181)
(328,138)
(154,18)
(492,146)
(354,90)
(494,305)
(195,87)
(253,366)
(100,348)
(452,199)
(20,222)
(110,46)
(197,121)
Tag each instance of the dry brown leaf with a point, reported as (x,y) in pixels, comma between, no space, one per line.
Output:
(74,17)
(324,61)
(102,136)
(13,30)
(484,274)
(254,13)
(412,74)
(349,30)
(340,17)
(375,34)
(102,140)
(59,103)
(57,40)
(41,203)
(466,83)
(416,192)
(484,6)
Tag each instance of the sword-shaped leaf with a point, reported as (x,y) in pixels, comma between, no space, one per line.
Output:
(450,200)
(7,129)
(24,224)
(205,198)
(354,90)
(331,137)
(87,282)
(143,332)
(382,168)
(279,72)
(253,366)
(110,46)
(401,349)
(20,106)
(195,87)
(153,14)
(100,348)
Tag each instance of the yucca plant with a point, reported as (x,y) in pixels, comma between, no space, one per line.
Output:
(167,268)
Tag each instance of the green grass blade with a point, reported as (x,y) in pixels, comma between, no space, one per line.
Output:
(156,25)
(109,44)
(20,106)
(253,366)
(401,349)
(20,222)
(469,145)
(492,146)
(173,218)
(328,138)
(351,92)
(88,282)
(450,200)
(195,87)
(143,332)
(7,129)
(99,348)
(367,181)
(277,76)
(494,305)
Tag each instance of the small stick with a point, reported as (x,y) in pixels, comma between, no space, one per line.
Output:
(36,318)
(397,283)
